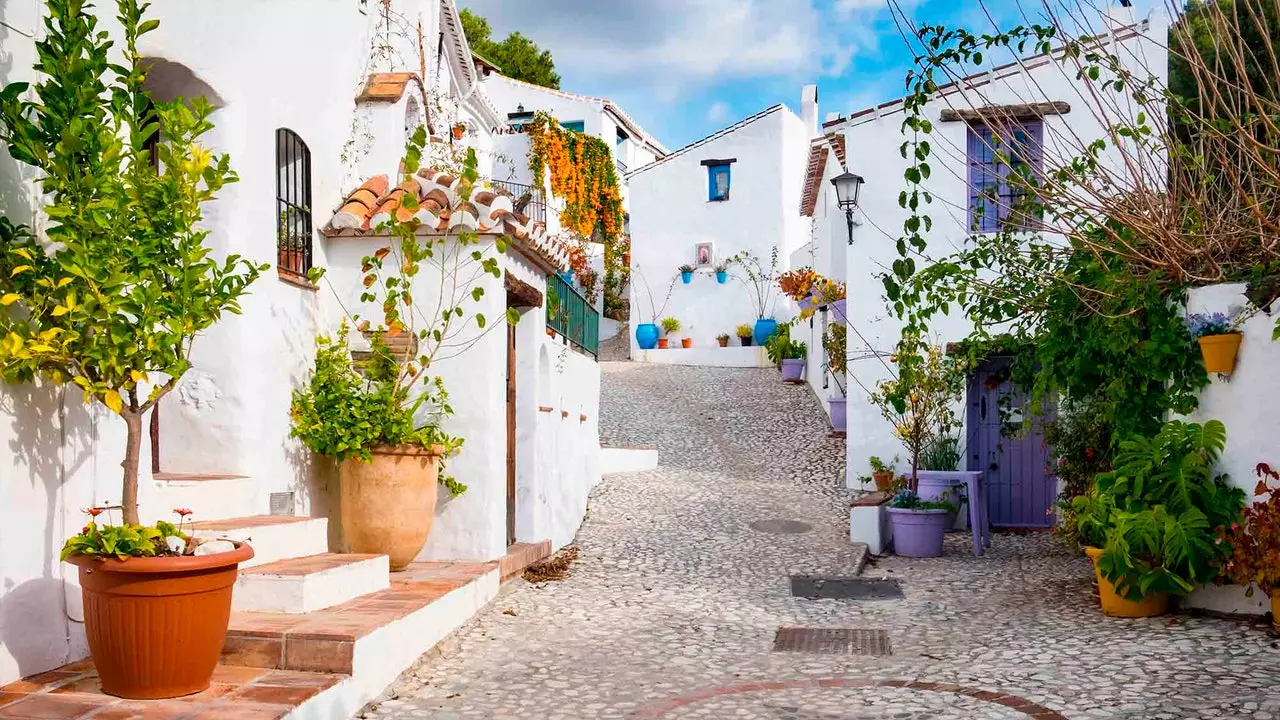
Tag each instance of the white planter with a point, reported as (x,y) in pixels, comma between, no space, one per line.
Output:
(870,525)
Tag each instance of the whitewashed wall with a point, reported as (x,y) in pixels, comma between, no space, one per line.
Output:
(1246,403)
(230,414)
(873,143)
(670,215)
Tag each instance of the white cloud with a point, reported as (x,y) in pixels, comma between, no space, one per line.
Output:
(719,112)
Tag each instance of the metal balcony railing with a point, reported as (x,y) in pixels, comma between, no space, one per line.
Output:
(528,200)
(569,314)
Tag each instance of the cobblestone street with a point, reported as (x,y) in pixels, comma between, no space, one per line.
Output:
(672,608)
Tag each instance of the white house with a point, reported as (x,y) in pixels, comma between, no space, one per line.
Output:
(1040,98)
(735,191)
(311,118)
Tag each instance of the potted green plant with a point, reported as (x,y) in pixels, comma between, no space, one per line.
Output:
(1158,515)
(1218,335)
(384,423)
(112,304)
(686,274)
(723,339)
(760,280)
(1255,543)
(744,335)
(722,272)
(918,403)
(882,473)
(669,325)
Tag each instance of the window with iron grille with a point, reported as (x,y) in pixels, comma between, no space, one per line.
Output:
(293,203)
(997,153)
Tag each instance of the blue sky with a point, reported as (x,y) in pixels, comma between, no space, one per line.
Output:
(685,68)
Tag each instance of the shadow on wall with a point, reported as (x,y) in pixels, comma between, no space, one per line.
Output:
(33,622)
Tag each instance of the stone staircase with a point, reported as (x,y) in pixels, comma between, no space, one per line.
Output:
(313,635)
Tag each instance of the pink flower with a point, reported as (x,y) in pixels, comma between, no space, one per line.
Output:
(182,511)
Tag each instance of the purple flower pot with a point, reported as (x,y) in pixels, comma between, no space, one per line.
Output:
(792,369)
(918,533)
(838,410)
(839,310)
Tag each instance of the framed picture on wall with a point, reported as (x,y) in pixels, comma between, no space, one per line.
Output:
(704,254)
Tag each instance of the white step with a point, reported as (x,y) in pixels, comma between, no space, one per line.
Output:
(210,495)
(273,537)
(307,584)
(628,459)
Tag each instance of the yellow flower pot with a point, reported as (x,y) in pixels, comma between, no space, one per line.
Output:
(1219,352)
(1115,605)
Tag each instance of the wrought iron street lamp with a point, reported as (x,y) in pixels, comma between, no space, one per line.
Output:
(848,188)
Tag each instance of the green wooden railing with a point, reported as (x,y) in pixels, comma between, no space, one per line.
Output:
(569,314)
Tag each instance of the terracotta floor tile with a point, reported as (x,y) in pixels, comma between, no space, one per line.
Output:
(264,622)
(89,685)
(238,675)
(247,522)
(8,697)
(54,707)
(209,695)
(275,694)
(232,710)
(42,681)
(257,652)
(85,665)
(322,656)
(143,710)
(300,679)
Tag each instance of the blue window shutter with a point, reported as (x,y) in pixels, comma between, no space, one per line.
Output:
(577,125)
(718,182)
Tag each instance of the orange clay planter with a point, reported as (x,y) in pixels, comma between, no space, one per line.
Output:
(1115,605)
(663,343)
(388,505)
(883,479)
(1219,352)
(155,625)
(686,343)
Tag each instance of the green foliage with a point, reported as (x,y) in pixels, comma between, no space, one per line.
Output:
(516,56)
(1195,37)
(919,404)
(743,331)
(781,347)
(1168,511)
(909,500)
(113,296)
(943,453)
(342,413)
(878,465)
(670,325)
(121,541)
(1081,440)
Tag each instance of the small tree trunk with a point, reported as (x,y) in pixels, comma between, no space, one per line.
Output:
(133,448)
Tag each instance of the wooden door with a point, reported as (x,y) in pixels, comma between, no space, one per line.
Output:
(511,433)
(1020,490)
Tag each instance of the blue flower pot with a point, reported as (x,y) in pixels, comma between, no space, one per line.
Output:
(687,277)
(647,336)
(764,330)
(722,277)
(567,276)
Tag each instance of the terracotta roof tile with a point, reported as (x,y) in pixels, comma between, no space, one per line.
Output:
(819,148)
(385,87)
(442,210)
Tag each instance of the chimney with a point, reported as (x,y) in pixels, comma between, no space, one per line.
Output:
(809,109)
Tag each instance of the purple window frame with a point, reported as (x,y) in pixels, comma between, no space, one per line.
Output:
(989,176)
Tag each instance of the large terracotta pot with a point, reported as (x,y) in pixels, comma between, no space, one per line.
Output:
(1116,605)
(156,625)
(388,505)
(883,479)
(1219,352)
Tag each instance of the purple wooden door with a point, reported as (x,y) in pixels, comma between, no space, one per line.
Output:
(1019,488)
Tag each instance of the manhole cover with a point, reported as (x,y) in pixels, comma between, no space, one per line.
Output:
(781,527)
(832,641)
(844,588)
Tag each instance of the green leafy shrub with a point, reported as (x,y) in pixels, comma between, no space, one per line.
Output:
(670,325)
(1168,511)
(343,413)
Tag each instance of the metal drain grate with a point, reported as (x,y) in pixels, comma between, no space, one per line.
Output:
(781,527)
(844,588)
(832,641)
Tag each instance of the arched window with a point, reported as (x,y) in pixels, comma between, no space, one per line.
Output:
(293,203)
